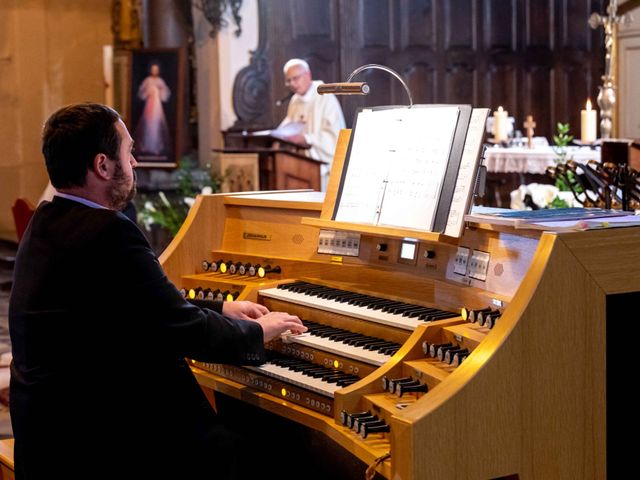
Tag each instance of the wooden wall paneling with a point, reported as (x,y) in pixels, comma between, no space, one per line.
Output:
(501,87)
(500,25)
(459,24)
(421,78)
(418,24)
(536,57)
(539,16)
(539,91)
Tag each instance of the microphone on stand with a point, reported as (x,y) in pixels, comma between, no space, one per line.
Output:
(284,99)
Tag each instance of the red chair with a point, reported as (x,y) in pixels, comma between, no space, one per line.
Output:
(22,211)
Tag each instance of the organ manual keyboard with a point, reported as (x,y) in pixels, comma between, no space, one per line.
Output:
(427,356)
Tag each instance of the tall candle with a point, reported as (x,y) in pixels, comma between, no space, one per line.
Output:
(500,124)
(588,124)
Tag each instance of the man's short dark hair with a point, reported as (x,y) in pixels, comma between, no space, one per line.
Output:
(73,136)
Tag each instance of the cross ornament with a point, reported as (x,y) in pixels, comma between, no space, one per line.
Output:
(529,125)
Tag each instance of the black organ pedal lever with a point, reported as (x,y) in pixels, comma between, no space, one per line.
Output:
(193,292)
(262,271)
(416,386)
(253,270)
(224,266)
(374,427)
(434,347)
(458,358)
(230,297)
(491,321)
(472,315)
(360,421)
(448,357)
(444,349)
(483,316)
(347,419)
(203,293)
(234,267)
(389,384)
(212,266)
(244,269)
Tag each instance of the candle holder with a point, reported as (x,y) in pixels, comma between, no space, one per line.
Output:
(606,102)
(607,92)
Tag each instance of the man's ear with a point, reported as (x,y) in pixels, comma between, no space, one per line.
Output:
(102,166)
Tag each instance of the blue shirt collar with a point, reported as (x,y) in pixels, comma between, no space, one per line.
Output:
(84,201)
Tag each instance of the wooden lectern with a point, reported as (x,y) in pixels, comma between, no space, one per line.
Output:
(282,165)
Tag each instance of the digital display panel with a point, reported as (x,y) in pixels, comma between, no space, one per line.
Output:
(408,250)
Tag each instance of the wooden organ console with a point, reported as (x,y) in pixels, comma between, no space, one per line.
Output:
(481,357)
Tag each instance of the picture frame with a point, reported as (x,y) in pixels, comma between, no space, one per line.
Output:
(154,106)
(240,171)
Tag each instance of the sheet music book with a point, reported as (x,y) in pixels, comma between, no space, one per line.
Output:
(402,166)
(467,173)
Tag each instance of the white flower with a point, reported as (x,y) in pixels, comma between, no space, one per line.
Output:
(207,190)
(149,206)
(163,197)
(542,195)
(189,201)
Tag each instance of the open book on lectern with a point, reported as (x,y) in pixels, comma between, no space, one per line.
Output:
(412,167)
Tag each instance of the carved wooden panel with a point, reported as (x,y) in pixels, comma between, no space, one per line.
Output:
(534,57)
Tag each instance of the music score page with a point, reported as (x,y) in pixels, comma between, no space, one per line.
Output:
(396,166)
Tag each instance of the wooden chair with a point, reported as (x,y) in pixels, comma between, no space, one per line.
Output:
(22,211)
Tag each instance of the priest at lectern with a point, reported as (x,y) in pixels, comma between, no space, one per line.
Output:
(311,119)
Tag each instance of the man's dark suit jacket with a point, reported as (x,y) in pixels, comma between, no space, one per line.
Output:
(99,384)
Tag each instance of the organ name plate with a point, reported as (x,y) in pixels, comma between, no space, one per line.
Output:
(333,242)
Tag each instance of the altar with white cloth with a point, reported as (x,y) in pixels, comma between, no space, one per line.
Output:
(533,160)
(508,168)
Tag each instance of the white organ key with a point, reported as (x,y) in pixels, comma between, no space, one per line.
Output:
(357,353)
(297,378)
(394,320)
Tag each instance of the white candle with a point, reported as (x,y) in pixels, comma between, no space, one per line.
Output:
(500,124)
(107,69)
(588,124)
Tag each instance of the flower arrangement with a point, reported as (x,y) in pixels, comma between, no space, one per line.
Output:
(169,210)
(535,195)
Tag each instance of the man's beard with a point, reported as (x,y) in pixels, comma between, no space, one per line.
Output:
(120,194)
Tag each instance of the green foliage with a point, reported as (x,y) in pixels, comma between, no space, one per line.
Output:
(170,209)
(557,202)
(568,182)
(562,139)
